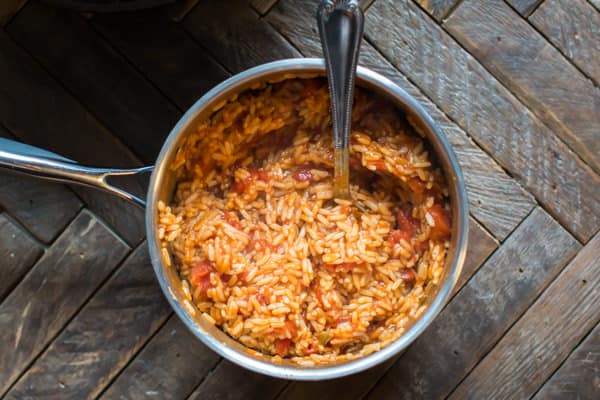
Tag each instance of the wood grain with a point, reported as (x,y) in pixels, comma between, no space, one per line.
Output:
(531,350)
(262,6)
(488,112)
(577,378)
(477,316)
(164,52)
(169,367)
(524,7)
(228,381)
(18,252)
(65,45)
(53,290)
(438,9)
(101,338)
(43,208)
(235,36)
(534,70)
(595,3)
(34,107)
(8,8)
(481,245)
(495,199)
(573,26)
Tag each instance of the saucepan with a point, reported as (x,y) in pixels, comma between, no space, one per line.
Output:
(33,161)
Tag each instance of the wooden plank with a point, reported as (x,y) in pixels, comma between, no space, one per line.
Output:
(524,7)
(164,52)
(66,45)
(574,27)
(8,8)
(531,350)
(263,6)
(577,378)
(235,36)
(481,245)
(53,120)
(438,9)
(169,367)
(53,290)
(595,3)
(18,252)
(495,199)
(232,382)
(534,70)
(488,112)
(477,316)
(178,10)
(43,208)
(101,338)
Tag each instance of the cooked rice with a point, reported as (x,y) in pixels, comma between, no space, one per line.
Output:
(267,254)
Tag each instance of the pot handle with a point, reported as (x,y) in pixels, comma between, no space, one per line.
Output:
(43,164)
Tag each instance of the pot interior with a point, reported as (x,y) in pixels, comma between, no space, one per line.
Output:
(162,187)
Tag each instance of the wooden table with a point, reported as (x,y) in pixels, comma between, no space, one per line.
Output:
(513,84)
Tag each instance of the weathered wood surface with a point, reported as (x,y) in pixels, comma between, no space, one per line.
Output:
(537,73)
(234,383)
(438,9)
(18,252)
(573,26)
(114,337)
(102,80)
(60,282)
(496,200)
(487,111)
(477,316)
(8,8)
(130,302)
(234,34)
(524,7)
(577,378)
(171,365)
(164,52)
(529,352)
(595,3)
(33,106)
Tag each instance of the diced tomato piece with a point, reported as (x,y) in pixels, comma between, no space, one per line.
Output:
(290,326)
(243,277)
(407,275)
(232,220)
(343,267)
(199,271)
(264,175)
(225,278)
(303,174)
(343,321)
(204,284)
(396,235)
(261,299)
(441,222)
(379,165)
(416,185)
(240,186)
(282,347)
(311,348)
(406,223)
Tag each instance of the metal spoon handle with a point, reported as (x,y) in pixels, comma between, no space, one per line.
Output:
(341,28)
(20,157)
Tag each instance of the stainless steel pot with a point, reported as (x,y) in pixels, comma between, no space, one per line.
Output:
(47,165)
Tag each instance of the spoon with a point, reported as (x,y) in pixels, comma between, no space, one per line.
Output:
(341,28)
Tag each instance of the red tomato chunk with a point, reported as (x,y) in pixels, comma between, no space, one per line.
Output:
(441,222)
(303,174)
(282,346)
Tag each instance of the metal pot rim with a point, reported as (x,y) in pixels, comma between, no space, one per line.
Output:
(444,152)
